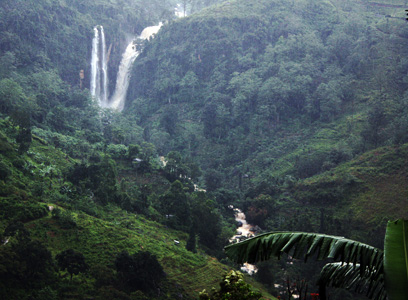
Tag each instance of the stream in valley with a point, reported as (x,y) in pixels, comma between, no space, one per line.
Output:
(244,230)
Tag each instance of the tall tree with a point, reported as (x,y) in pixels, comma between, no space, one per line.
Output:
(72,261)
(175,205)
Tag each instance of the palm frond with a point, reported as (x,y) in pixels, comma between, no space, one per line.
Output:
(304,245)
(351,276)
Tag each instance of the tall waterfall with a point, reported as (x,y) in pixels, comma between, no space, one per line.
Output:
(122,82)
(104,98)
(94,62)
(99,70)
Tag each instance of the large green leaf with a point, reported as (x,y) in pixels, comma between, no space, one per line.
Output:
(364,262)
(396,260)
(350,276)
(303,245)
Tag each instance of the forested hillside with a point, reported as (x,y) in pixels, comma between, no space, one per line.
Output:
(294,111)
(267,94)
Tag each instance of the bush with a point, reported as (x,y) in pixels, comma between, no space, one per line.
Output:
(47,293)
(21,211)
(117,151)
(234,287)
(103,275)
(5,171)
(310,164)
(72,261)
(140,271)
(64,218)
(19,163)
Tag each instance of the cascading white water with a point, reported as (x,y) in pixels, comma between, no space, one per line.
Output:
(122,82)
(104,95)
(99,70)
(244,231)
(149,31)
(94,62)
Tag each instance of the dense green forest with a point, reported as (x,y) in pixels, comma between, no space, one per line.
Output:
(295,111)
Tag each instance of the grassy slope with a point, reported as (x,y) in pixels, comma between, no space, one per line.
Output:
(100,240)
(369,190)
(114,230)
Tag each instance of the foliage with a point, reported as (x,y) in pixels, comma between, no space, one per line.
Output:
(234,287)
(140,271)
(4,171)
(191,244)
(71,261)
(206,220)
(175,207)
(395,259)
(267,105)
(363,267)
(26,264)
(64,218)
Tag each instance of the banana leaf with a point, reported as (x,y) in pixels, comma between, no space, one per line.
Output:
(396,260)
(348,276)
(303,245)
(361,264)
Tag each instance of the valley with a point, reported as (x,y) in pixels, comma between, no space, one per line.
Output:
(142,123)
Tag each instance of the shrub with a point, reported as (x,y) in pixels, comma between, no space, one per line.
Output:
(234,287)
(140,271)
(117,151)
(18,163)
(72,261)
(64,218)
(5,171)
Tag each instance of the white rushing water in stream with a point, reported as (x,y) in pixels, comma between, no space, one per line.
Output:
(244,231)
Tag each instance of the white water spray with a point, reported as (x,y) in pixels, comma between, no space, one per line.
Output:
(122,82)
(104,94)
(94,62)
(99,70)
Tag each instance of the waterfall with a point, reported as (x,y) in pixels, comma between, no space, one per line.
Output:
(99,84)
(149,31)
(122,82)
(94,62)
(99,68)
(104,99)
